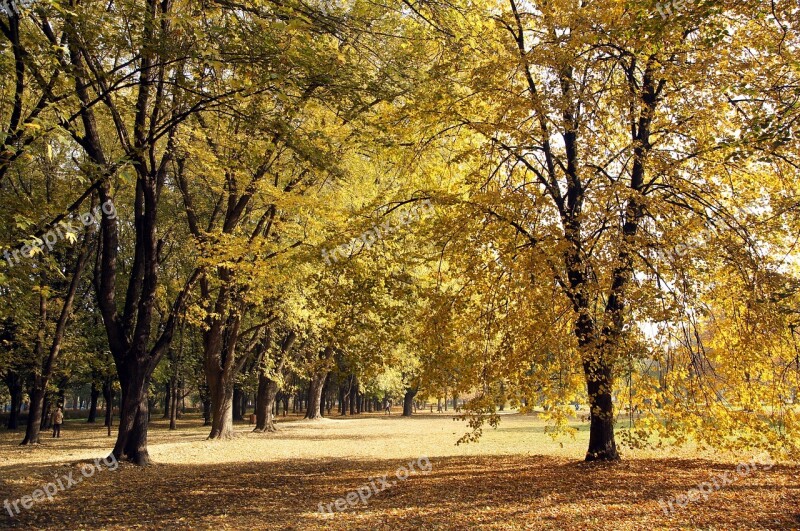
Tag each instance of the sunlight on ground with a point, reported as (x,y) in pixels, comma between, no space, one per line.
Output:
(516,476)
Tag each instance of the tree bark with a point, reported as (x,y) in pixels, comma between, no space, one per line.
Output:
(207,412)
(599,383)
(39,379)
(108,397)
(173,408)
(14,383)
(268,387)
(324,394)
(167,400)
(319,368)
(314,409)
(408,402)
(46,417)
(221,366)
(243,409)
(342,399)
(237,404)
(131,443)
(221,392)
(353,395)
(267,391)
(94,396)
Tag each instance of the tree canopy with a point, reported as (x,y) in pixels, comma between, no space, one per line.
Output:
(520,202)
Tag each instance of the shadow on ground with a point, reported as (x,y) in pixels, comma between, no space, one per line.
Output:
(459,493)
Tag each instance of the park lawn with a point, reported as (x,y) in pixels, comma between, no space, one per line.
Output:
(516,477)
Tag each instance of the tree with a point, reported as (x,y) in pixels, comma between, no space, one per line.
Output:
(590,133)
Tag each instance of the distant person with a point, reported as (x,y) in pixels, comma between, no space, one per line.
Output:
(388,408)
(58,418)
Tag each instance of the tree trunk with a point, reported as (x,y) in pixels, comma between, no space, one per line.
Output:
(342,399)
(237,404)
(35,412)
(221,409)
(408,402)
(324,395)
(207,412)
(167,400)
(353,396)
(95,395)
(267,391)
(15,389)
(268,387)
(599,383)
(243,409)
(134,413)
(108,397)
(220,355)
(46,417)
(173,409)
(313,411)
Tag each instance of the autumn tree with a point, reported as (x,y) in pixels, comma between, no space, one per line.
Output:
(590,131)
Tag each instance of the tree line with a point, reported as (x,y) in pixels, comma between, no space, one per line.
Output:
(614,209)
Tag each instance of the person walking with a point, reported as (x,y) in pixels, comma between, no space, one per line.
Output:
(58,418)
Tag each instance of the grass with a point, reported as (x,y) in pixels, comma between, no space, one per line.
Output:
(516,477)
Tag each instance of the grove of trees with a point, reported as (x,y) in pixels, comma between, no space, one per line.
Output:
(525,203)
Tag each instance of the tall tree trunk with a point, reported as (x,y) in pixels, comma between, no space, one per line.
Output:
(33,428)
(237,403)
(94,396)
(220,342)
(342,399)
(108,398)
(131,443)
(221,369)
(267,391)
(243,407)
(46,417)
(40,378)
(268,387)
(221,391)
(314,409)
(173,406)
(408,402)
(353,396)
(167,400)
(599,383)
(324,394)
(14,382)
(319,368)
(207,412)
